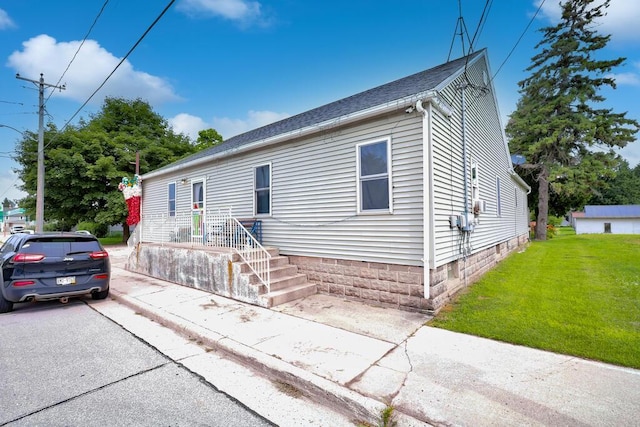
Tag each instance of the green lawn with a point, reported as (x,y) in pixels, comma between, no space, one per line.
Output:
(111,240)
(573,294)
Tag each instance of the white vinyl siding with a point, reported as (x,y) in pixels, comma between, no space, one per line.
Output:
(314,210)
(485,148)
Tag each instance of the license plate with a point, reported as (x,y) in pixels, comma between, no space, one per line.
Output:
(66,280)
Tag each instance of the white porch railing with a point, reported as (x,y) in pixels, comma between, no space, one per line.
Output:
(213,229)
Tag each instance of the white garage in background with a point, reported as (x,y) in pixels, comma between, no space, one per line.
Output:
(614,219)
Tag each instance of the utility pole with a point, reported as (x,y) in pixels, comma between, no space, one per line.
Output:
(40,186)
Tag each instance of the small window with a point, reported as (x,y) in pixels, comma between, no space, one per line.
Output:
(499,198)
(475,182)
(197,195)
(262,190)
(171,199)
(607,227)
(374,176)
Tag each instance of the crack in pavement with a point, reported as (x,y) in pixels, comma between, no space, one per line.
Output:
(86,393)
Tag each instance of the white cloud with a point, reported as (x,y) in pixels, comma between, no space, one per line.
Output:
(230,127)
(237,10)
(5,20)
(621,20)
(43,54)
(190,125)
(629,79)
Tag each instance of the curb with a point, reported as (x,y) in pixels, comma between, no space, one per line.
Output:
(323,391)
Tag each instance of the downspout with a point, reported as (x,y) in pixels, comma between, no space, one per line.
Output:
(427,197)
(464,153)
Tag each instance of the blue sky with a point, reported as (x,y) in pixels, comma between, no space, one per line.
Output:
(234,65)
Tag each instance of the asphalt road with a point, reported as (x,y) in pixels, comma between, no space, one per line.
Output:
(70,365)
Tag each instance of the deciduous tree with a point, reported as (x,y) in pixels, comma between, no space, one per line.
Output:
(208,138)
(85,163)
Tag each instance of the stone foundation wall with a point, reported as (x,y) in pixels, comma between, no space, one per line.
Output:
(401,286)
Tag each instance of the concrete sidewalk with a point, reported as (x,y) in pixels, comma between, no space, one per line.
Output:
(357,359)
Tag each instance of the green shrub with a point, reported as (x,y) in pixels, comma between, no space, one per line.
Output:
(50,226)
(554,220)
(98,230)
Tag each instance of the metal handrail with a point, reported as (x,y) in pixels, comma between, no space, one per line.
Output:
(213,229)
(253,254)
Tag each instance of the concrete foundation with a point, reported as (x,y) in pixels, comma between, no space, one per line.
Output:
(212,270)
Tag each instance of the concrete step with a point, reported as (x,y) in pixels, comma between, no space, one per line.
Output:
(278,261)
(282,271)
(288,281)
(289,294)
(274,262)
(276,275)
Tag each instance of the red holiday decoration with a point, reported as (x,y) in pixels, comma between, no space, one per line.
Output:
(132,191)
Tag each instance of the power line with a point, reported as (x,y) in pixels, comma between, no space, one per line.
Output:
(483,18)
(519,39)
(79,47)
(120,63)
(108,77)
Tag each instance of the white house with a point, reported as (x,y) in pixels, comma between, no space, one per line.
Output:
(614,219)
(399,195)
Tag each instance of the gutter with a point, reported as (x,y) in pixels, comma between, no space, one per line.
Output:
(430,96)
(521,181)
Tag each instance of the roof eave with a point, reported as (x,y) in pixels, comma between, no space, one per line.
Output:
(398,104)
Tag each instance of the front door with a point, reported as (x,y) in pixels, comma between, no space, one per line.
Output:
(197,210)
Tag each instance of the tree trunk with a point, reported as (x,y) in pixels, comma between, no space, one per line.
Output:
(125,232)
(543,204)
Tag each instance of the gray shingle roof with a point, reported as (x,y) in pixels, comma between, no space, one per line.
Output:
(612,211)
(389,92)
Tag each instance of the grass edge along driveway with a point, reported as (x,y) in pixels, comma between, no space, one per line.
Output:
(574,294)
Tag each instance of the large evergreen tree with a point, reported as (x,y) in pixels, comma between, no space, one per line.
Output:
(568,141)
(84,164)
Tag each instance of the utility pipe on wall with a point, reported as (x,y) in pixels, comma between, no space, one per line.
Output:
(427,195)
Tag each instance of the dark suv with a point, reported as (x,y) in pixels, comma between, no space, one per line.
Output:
(47,266)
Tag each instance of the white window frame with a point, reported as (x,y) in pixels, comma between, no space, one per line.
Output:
(388,175)
(204,193)
(255,190)
(175,198)
(475,181)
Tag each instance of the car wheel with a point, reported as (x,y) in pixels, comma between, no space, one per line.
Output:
(101,294)
(5,306)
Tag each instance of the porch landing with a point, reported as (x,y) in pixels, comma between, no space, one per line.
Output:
(220,271)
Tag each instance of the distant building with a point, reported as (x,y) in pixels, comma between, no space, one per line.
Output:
(13,217)
(614,219)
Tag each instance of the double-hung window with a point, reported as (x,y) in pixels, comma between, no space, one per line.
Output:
(374,176)
(498,198)
(262,190)
(171,198)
